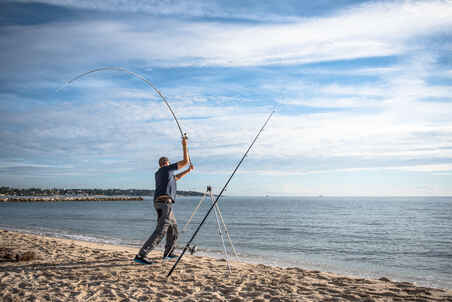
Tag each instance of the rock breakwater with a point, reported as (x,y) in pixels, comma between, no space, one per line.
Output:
(71,198)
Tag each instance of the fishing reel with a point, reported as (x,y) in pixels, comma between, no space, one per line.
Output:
(193,249)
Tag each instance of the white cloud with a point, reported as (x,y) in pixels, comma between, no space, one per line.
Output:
(427,168)
(357,71)
(433,168)
(191,8)
(329,102)
(402,126)
(361,90)
(154,7)
(378,29)
(15,164)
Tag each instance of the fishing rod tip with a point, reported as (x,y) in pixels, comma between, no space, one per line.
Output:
(62,87)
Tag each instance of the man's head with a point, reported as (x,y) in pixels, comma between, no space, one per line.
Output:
(163,161)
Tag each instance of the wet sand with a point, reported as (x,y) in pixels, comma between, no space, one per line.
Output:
(70,270)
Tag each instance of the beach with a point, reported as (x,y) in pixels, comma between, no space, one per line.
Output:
(71,270)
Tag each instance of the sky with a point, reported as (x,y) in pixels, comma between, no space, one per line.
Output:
(362,91)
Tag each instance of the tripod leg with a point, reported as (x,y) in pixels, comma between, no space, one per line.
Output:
(227,232)
(194,212)
(220,233)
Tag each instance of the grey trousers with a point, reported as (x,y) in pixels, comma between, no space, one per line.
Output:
(166,225)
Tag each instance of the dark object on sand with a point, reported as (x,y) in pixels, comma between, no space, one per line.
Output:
(9,254)
(27,256)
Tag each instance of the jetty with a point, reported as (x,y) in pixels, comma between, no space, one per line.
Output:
(69,198)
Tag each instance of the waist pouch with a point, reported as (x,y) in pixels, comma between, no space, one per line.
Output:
(164,199)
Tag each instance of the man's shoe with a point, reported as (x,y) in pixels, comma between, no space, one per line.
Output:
(171,256)
(141,260)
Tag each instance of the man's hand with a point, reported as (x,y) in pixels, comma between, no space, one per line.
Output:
(191,168)
(184,140)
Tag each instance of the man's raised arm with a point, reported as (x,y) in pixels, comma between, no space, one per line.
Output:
(183,173)
(186,160)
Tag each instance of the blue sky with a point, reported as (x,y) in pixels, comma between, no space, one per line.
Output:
(362,89)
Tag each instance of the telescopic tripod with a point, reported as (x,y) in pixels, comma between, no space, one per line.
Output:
(221,227)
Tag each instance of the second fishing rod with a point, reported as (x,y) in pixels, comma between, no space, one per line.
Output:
(187,246)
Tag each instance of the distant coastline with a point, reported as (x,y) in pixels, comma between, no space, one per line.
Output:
(68,198)
(8,194)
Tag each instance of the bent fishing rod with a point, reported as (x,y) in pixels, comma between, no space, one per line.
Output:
(187,246)
(136,75)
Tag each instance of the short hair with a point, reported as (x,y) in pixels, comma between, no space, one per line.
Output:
(163,160)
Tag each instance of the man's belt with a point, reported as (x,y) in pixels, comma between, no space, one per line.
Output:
(164,199)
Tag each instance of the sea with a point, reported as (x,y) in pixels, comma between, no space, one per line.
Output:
(401,238)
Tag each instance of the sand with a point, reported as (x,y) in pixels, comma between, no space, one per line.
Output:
(69,270)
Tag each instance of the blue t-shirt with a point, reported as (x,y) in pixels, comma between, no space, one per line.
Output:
(165,183)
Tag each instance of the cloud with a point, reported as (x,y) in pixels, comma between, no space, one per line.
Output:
(153,7)
(245,11)
(7,165)
(377,29)
(126,123)
(432,168)
(328,102)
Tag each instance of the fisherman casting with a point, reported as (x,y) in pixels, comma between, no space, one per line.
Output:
(165,182)
(164,199)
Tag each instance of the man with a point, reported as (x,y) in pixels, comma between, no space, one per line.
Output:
(164,198)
